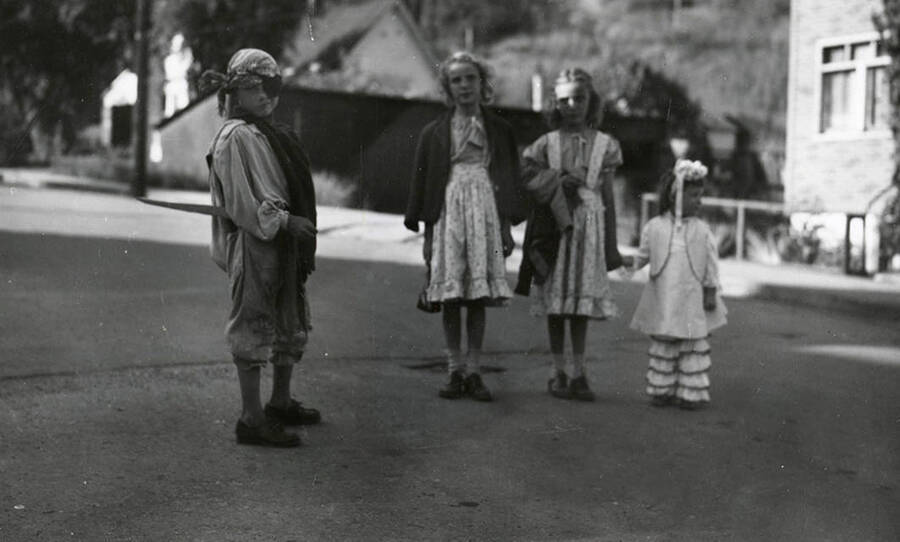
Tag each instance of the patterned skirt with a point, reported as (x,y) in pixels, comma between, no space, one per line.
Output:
(467,260)
(679,368)
(578,284)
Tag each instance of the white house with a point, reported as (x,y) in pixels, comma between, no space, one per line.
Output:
(839,153)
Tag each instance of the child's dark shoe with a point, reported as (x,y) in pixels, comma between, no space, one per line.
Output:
(454,388)
(476,389)
(295,414)
(558,386)
(268,433)
(662,400)
(579,389)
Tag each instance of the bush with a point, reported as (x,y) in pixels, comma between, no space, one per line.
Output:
(105,164)
(15,142)
(333,190)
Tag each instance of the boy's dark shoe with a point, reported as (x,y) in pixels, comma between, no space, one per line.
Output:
(454,389)
(268,433)
(662,400)
(579,389)
(296,414)
(558,386)
(476,389)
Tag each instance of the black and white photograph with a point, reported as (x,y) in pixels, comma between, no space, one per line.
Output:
(450,270)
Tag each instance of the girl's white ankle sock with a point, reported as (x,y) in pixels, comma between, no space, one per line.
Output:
(559,364)
(577,366)
(454,361)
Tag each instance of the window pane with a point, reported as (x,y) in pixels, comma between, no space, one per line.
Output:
(861,51)
(833,54)
(876,99)
(835,113)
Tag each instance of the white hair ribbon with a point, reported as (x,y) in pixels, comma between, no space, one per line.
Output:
(685,170)
(679,197)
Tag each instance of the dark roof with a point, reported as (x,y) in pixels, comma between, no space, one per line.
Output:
(343,25)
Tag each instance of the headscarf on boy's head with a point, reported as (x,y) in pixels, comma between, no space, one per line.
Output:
(685,170)
(247,68)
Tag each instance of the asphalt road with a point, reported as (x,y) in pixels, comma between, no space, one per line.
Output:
(118,404)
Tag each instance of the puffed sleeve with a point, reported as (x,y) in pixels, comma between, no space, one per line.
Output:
(536,153)
(612,158)
(241,162)
(711,276)
(536,170)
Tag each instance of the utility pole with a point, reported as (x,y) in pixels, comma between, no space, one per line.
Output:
(142,41)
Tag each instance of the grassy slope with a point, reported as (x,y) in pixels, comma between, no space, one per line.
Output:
(730,56)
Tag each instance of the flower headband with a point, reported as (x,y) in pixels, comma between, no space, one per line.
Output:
(685,170)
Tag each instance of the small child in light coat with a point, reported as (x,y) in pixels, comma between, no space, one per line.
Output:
(680,304)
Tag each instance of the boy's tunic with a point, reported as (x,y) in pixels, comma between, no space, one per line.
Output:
(270,316)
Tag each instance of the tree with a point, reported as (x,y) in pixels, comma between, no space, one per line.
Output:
(215,29)
(888,23)
(56,57)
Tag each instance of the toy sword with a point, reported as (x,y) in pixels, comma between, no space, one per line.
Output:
(189,207)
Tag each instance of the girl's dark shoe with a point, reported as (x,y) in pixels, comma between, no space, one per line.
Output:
(558,386)
(476,389)
(662,400)
(296,414)
(268,433)
(454,388)
(579,389)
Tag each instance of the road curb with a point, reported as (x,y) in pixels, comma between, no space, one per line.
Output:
(61,184)
(862,303)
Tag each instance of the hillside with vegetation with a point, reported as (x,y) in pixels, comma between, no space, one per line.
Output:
(730,56)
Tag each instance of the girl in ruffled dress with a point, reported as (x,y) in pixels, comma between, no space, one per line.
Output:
(680,305)
(570,241)
(465,190)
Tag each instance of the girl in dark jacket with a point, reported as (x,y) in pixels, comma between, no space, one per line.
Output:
(464,188)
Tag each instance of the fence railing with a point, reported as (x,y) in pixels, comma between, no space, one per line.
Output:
(740,205)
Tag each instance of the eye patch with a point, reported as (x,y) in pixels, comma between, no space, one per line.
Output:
(272,85)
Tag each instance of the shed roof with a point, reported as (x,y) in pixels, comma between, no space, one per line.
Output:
(342,26)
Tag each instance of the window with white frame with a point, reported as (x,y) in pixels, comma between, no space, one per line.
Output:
(853,85)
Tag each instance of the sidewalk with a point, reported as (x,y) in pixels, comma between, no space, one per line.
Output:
(366,235)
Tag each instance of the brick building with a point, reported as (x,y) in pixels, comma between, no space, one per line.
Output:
(839,152)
